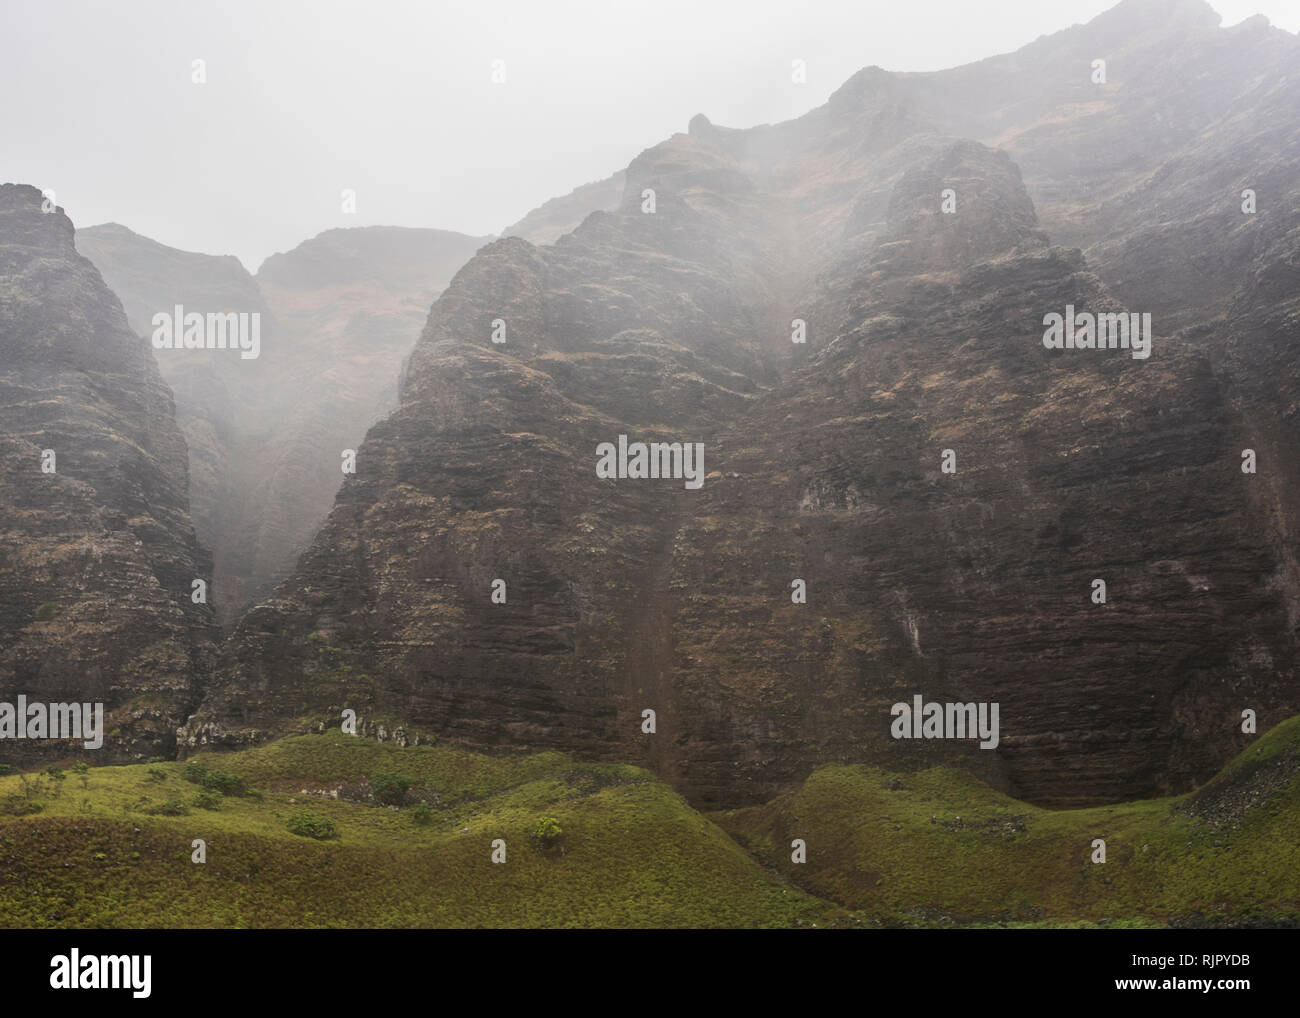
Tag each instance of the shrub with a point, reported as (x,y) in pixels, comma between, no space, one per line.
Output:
(173,807)
(32,786)
(422,814)
(156,759)
(46,611)
(156,774)
(311,825)
(226,784)
(56,775)
(207,798)
(19,806)
(390,789)
(547,830)
(218,781)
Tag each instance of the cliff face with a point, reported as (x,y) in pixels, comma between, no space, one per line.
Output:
(824,459)
(975,585)
(215,390)
(98,556)
(265,434)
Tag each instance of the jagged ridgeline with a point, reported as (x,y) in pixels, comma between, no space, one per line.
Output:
(97,553)
(906,492)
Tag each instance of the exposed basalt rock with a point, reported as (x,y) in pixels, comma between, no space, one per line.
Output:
(924,334)
(97,558)
(492,450)
(1071,465)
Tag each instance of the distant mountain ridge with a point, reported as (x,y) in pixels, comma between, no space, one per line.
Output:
(339,313)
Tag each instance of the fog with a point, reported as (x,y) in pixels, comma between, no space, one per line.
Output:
(395,100)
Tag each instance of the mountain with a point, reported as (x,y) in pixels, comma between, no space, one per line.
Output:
(825,460)
(98,557)
(266,434)
(216,391)
(551,220)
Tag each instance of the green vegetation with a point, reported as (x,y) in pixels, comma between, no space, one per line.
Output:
(19,806)
(941,847)
(173,807)
(312,825)
(218,781)
(637,854)
(391,789)
(57,777)
(935,847)
(47,611)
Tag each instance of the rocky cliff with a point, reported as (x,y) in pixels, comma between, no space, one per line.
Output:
(921,261)
(97,552)
(216,391)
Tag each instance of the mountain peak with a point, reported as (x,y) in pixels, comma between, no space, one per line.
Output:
(26,221)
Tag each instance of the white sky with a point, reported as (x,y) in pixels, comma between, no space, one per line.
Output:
(393,98)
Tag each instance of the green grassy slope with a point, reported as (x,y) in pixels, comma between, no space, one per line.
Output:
(635,854)
(936,847)
(939,846)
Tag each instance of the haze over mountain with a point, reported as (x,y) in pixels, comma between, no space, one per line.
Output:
(824,460)
(265,434)
(549,222)
(763,534)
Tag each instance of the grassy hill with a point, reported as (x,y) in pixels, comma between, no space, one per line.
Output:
(632,853)
(939,846)
(112,846)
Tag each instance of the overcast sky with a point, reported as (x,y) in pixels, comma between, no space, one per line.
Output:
(394,98)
